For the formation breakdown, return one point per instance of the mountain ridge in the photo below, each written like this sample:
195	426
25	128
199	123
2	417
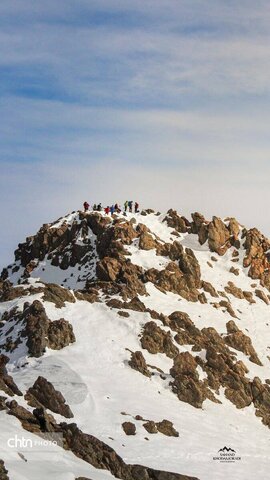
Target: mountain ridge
166	306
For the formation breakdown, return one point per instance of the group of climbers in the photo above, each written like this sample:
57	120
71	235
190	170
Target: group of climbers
128	206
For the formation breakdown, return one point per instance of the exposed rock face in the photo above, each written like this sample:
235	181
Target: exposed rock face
129	428
218	236
6	381
37	324
172	279
40	332
44	394
137	362
155	340
60	334
199	226
257	258
186	383
58	295
101	455
240	341
3	471
180	224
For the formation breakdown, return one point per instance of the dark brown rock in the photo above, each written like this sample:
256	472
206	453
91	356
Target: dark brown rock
155	340
60	334
43	393
129	428
137	362
3	471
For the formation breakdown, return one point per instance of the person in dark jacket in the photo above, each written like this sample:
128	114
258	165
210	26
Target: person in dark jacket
130	205
112	209
126	206
86	206
99	207
136	207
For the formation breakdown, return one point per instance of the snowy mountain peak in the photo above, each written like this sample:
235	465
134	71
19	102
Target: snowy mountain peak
141	328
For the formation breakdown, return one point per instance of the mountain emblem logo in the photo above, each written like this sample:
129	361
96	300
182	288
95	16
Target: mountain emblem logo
226	449
227	455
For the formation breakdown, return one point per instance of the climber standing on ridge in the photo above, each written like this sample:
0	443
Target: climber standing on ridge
86	206
130	204
112	210
126	206
99	207
107	210
136	207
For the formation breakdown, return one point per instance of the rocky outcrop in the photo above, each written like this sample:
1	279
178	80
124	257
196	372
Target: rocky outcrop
60	334
137	362
257	257
156	340
3	471
186	383
36	328
42	333
58	295
7	384
240	341
43	393
173	220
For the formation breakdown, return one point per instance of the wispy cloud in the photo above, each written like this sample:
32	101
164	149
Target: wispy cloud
140	98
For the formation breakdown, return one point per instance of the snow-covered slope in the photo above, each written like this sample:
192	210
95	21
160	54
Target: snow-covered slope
123	279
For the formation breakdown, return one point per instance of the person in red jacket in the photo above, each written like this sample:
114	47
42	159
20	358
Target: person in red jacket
107	210
136	207
86	206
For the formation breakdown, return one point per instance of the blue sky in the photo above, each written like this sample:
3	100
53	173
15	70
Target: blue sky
163	101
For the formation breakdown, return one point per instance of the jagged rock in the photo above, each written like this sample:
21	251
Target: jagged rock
256	258
238	340
60	334
44	394
184	363
166	427
137	362
261	400
172	279
151	427
129	428
260	294
146	239
180	224
199	226
57	294
235	271
3	471
27	419
108	269
156	340
218	236
233	290
37	324
172	250
189	265
208	287
249	296
227	305
7	383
